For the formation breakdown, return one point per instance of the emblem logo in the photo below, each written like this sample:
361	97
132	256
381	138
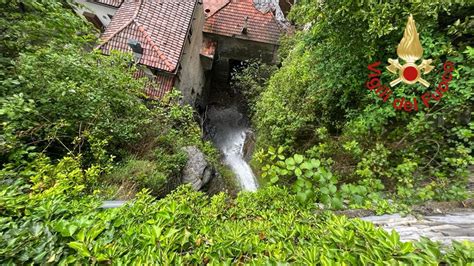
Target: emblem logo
410	51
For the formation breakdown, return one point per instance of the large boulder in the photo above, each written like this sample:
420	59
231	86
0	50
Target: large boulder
197	171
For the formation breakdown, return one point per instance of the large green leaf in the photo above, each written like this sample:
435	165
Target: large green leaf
80	247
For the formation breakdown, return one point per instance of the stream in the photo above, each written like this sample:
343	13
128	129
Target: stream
455	225
228	129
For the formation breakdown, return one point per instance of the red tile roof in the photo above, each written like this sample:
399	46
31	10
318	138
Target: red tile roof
112	3
161	28
158	86
230	19
212	6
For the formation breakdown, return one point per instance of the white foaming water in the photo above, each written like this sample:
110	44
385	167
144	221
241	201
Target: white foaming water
228	132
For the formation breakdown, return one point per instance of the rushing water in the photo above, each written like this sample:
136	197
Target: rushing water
228	129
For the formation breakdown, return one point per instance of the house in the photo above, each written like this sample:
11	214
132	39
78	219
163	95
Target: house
187	43
165	37
241	30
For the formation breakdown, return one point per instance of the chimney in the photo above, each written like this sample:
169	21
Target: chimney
245	28
136	48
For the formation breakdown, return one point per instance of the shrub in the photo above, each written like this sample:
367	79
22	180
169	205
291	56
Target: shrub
321	85
252	80
150	174
64	225
312	181
72	102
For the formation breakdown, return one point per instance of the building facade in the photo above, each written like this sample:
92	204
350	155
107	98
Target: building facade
165	37
186	43
241	32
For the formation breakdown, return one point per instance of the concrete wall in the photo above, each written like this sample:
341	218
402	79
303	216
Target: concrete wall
237	49
191	78
240	49
101	11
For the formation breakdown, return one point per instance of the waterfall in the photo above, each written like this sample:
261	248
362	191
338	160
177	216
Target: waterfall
228	129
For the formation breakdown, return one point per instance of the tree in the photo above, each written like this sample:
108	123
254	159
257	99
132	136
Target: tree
322	85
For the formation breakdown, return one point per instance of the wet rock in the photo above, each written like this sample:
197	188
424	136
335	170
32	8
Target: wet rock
197	171
444	228
353	213
249	145
218	184
438	221
231	130
207	175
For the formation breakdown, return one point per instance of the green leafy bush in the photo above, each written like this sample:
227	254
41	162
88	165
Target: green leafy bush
62	224
80	101
61	99
312	181
26	26
141	174
321	85
252	80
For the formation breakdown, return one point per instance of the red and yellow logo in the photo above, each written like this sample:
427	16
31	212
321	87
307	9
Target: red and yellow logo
410	51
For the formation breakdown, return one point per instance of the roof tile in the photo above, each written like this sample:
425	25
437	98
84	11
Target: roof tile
112	3
158	86
212	6
160	26
230	19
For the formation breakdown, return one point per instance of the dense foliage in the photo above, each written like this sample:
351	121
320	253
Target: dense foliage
63	224
76	130
80	101
61	99
57	97
317	101
157	158
251	80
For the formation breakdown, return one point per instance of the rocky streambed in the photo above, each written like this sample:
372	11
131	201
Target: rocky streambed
458	226
438	221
